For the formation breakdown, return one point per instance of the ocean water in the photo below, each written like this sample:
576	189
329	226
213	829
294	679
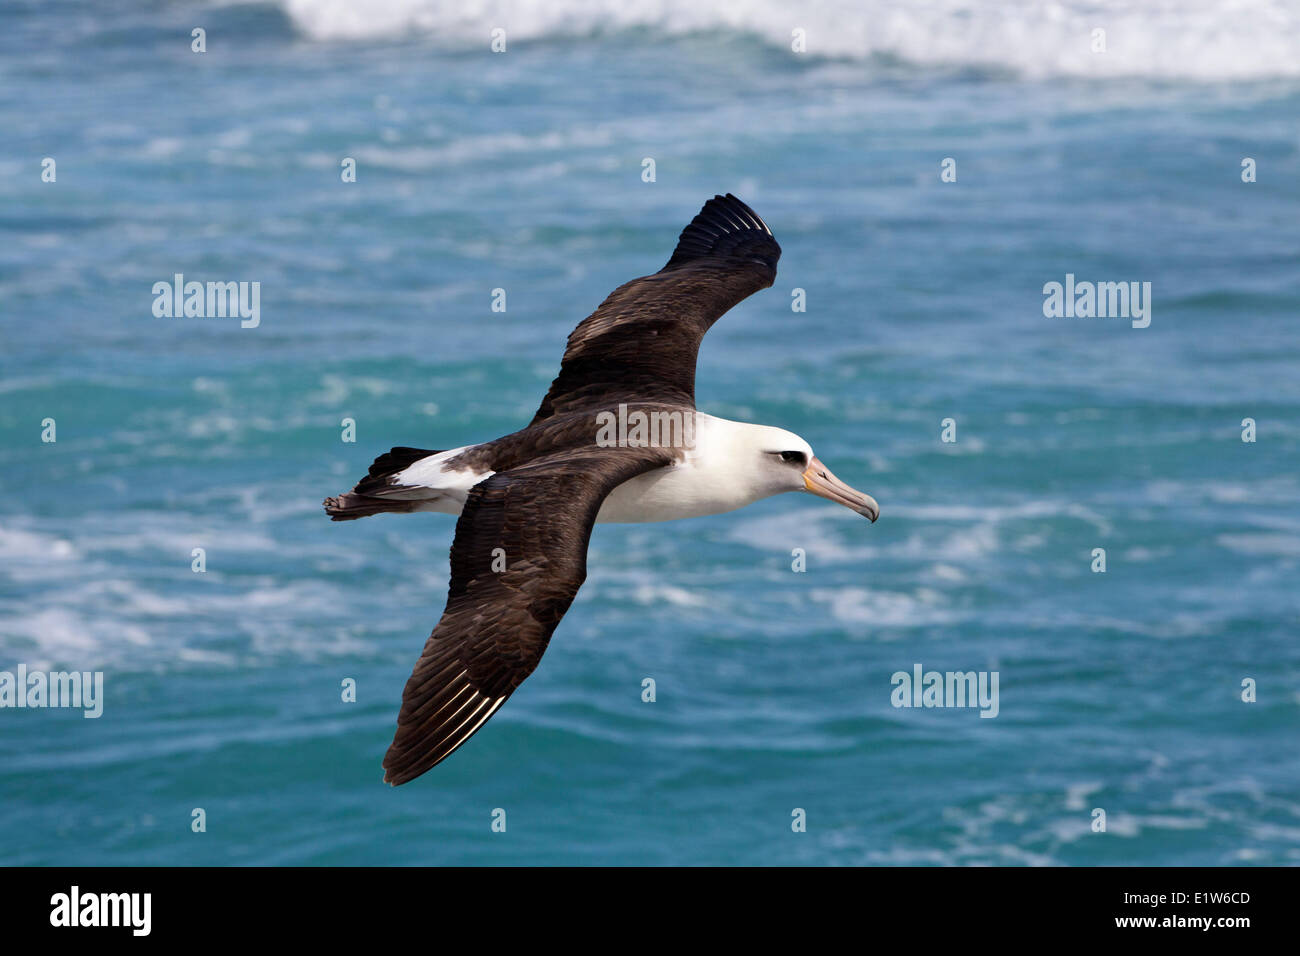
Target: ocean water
522	170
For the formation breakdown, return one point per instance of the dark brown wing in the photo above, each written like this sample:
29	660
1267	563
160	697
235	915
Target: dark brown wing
641	344
498	622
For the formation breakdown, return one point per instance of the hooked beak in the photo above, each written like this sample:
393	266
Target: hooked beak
819	480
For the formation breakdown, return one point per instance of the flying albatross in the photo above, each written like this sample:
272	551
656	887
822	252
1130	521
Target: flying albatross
617	439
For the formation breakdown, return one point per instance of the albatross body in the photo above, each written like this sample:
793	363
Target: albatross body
616	439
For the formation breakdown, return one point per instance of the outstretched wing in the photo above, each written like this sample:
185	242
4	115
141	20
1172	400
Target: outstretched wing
641	344
518	559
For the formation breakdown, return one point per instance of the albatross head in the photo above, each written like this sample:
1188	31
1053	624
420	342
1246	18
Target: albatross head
780	461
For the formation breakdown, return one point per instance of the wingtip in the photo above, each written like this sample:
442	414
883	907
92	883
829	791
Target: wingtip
726	226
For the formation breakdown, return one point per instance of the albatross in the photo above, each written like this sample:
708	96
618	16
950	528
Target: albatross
616	439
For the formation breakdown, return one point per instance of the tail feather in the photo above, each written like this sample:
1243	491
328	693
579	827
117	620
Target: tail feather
398	459
376	493
388	464
349	506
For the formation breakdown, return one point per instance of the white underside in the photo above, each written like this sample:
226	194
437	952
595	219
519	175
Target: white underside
712	477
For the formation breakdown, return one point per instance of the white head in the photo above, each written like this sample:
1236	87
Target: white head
767	461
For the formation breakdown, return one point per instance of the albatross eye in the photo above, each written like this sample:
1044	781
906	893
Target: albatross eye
793	456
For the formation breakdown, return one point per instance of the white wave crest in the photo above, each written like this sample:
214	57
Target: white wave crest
1186	39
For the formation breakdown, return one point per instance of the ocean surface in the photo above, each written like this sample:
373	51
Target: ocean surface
524	171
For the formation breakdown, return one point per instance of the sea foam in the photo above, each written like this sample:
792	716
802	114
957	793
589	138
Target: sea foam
1184	39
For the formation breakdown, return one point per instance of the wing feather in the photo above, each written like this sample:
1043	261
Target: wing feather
641	343
497	623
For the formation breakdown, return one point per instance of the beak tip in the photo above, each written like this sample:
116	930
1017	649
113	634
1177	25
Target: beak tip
818	480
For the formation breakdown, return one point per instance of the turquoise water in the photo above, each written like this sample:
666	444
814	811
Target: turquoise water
523	171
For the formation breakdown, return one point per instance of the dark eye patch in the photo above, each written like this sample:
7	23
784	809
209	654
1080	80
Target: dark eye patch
793	456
